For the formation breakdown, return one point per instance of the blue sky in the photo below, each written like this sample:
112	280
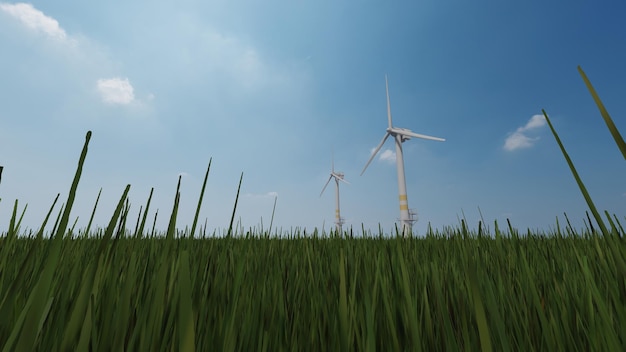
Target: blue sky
272	88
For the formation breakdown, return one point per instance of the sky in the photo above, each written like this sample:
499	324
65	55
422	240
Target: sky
278	89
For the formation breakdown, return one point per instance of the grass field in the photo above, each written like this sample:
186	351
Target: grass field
111	289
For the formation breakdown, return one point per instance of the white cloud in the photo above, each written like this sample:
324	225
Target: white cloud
262	195
83	55
116	91
388	155
519	139
35	20
535	122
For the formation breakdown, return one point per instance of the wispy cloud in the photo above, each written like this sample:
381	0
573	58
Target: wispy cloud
519	139
262	195
79	50
116	91
386	155
239	65
36	20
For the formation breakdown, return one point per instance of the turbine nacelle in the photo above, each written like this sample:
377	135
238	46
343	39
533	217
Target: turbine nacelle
338	175
407	134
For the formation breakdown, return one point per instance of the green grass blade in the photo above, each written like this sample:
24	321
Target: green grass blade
138	220
582	187
73	226
72	195
344	329
77	318
156	214
195	218
45	221
36	306
25	332
479	310
605	114
171	228
230	227
186	329
11	233
93	213
145	215
19	222
272	219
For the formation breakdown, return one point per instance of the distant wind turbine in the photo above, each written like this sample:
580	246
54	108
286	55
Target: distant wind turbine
400	135
338	177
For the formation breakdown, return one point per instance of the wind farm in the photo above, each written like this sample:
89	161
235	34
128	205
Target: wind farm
120	290
399	135
135	243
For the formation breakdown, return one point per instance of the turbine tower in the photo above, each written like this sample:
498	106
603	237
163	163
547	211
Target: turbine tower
338	177
400	135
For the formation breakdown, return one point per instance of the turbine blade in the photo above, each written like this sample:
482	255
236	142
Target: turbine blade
323	189
344	181
423	136
388	104
332	164
375	152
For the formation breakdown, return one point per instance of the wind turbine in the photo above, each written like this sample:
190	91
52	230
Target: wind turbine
400	135
338	177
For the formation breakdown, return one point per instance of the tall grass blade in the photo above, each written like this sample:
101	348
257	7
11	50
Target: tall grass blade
186	329
272	219
77	318
72	195
605	114
139	232
11	233
138	220
195	218
171	228
344	329
19	222
45	221
479	309
93	213
26	332
154	222
232	219
582	187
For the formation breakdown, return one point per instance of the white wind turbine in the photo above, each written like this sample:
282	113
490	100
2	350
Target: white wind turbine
338	177
400	135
